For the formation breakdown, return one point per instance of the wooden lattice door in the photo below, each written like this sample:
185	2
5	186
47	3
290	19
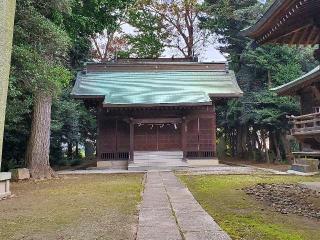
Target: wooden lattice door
166	137
206	134
201	137
145	138
169	137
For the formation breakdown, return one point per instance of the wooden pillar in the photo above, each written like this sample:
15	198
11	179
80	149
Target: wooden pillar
214	119
131	140
99	134
184	138
7	12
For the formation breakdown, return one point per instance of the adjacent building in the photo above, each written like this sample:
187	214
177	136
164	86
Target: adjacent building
297	22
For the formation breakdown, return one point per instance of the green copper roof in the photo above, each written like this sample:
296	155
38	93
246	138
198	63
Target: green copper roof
150	88
291	87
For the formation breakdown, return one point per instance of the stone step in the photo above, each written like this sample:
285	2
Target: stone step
152	167
157	160
304	168
159	152
160	158
307	161
159	155
155	163
170	161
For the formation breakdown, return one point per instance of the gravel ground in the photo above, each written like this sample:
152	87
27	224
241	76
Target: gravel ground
288	198
227	170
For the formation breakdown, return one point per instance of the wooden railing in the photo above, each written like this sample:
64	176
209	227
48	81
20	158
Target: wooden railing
305	124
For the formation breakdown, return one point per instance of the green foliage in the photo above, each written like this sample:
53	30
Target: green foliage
71	124
38	64
93	16
49	38
40	47
87	18
226	18
17	125
36	74
257	69
148	41
34	30
52	40
76	162
282	62
271	111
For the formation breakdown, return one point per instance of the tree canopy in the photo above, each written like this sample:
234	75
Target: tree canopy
247	122
51	41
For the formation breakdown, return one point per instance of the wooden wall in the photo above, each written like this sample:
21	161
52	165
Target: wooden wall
199	125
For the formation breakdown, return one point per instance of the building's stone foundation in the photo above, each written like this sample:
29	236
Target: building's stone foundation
5	185
202	162
115	164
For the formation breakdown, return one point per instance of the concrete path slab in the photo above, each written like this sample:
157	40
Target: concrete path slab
312	185
156	220
169	211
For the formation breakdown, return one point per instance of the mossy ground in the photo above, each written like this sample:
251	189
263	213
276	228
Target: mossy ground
245	218
77	207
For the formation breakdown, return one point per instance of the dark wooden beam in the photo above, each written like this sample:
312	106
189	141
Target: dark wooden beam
316	39
316	21
294	38
156	120
200	115
153	66
312	34
184	138
291	33
303	35
131	141
286	29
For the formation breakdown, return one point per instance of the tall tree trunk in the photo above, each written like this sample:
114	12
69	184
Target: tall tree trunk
250	143
7	12
238	141
286	146
37	156
89	149
234	143
70	150
257	144
257	140
244	141
77	150
264	145
276	146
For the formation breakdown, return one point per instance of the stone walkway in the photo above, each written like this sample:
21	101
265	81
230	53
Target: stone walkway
170	212
214	170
